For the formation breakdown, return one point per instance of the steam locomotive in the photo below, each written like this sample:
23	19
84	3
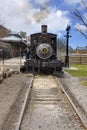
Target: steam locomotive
43	53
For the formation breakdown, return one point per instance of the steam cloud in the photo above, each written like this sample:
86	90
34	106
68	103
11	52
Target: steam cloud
36	13
28	15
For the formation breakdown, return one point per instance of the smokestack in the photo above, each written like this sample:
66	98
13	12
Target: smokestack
44	28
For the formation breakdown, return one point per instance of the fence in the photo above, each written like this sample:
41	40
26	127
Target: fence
17	62
76	59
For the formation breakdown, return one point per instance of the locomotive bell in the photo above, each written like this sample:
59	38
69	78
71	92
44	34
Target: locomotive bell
44	51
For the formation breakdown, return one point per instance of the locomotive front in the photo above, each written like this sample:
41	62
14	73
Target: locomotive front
43	52
43	44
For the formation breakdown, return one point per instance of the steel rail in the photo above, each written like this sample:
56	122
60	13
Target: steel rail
24	105
83	119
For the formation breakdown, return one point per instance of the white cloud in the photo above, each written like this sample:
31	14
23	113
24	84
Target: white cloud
85	17
57	21
70	2
42	2
80	27
22	15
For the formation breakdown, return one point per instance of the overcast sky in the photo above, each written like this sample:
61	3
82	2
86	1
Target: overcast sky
28	15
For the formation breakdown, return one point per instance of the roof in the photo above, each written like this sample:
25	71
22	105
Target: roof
82	48
44	33
14	38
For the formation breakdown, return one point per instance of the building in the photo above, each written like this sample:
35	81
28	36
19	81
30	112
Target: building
14	42
17	43
81	50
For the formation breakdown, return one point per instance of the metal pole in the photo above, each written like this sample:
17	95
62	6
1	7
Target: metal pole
3	55
67	46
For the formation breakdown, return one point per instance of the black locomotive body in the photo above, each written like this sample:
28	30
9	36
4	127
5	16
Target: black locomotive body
43	53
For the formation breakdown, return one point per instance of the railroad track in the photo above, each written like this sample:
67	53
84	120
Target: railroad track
46	107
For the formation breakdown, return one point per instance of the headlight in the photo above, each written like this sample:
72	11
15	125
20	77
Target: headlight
44	50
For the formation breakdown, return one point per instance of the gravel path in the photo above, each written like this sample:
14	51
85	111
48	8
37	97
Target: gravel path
74	86
77	93
9	91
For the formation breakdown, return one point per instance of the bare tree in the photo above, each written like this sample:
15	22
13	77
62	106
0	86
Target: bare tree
81	15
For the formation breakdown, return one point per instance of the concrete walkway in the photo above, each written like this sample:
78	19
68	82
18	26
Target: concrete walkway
13	61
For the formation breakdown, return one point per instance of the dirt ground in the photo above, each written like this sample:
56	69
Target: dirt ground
9	91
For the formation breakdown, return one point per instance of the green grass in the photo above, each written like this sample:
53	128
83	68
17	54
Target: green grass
80	72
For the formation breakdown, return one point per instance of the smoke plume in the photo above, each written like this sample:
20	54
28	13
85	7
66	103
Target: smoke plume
35	13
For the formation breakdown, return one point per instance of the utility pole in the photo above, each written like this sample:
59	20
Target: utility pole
67	46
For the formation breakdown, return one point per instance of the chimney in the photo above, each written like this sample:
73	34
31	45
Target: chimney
44	28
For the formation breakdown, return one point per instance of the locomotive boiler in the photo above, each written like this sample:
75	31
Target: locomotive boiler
43	53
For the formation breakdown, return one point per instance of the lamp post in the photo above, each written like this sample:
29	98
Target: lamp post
67	46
